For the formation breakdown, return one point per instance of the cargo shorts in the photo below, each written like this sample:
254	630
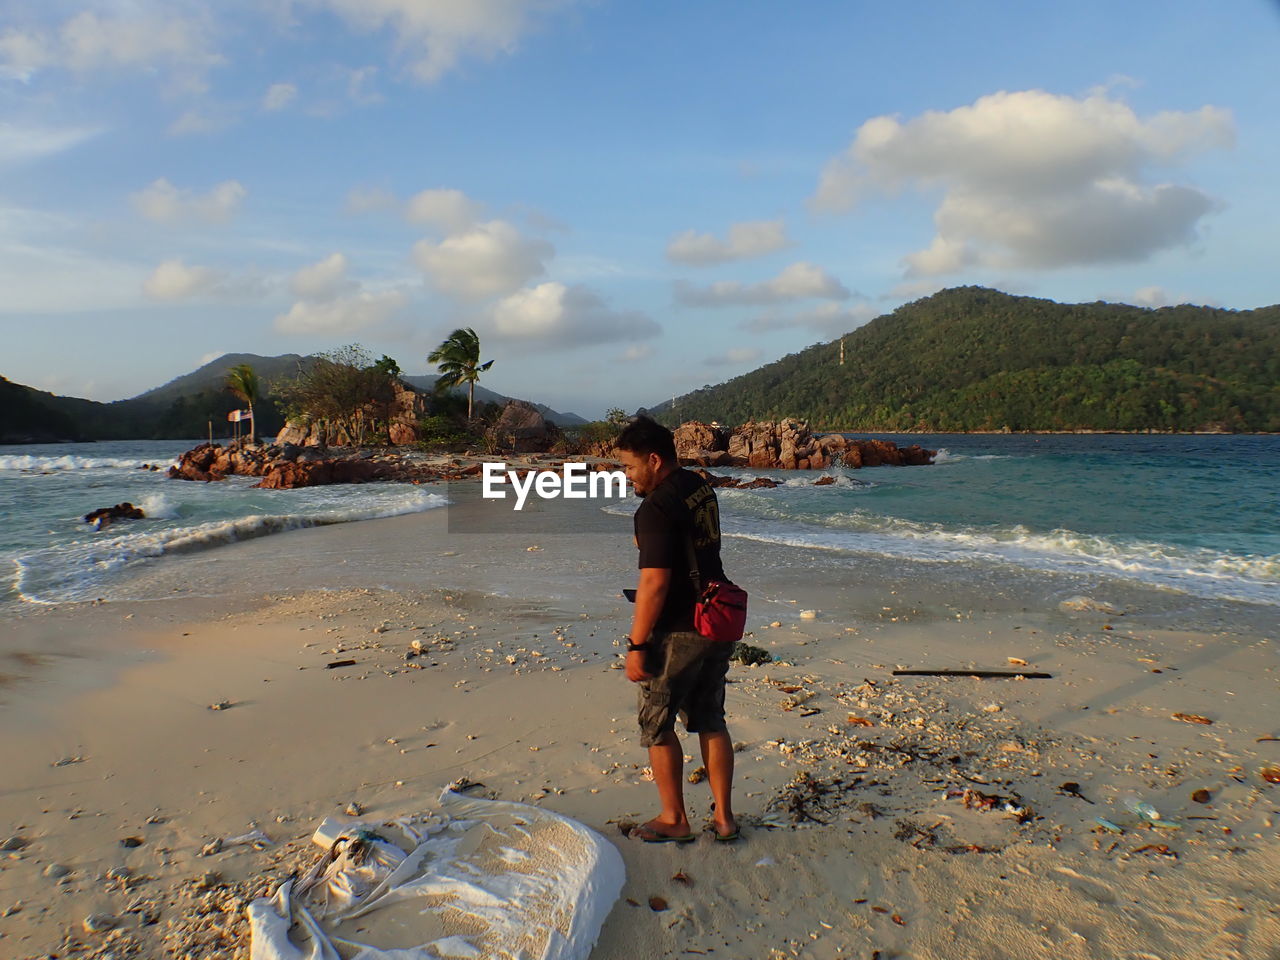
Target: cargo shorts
688	676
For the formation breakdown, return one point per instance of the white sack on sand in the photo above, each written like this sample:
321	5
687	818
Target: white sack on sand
494	881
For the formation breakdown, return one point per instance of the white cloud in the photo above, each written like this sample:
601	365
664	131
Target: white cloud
140	36
450	210
490	259
162	202
800	281
279	96
1034	180
1154	297
20	144
554	315
745	240
342	315
201	122
370	200
826	318
636	352
174	280
324	280
434	35
734	357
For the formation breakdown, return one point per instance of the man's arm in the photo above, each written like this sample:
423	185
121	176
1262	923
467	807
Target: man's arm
651	594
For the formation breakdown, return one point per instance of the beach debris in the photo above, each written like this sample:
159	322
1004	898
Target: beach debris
808	614
991	708
1160	848
657	904
100	922
809	711
1143	809
208	880
1087	603
1107	825
56	871
353	809
463	784
130	842
647	774
212	847
748	655
254	838
14	843
859	721
1270	774
1031	675
977	800
333	664
795	699
766	862
15	907
1017	661
683	878
1201	796
697	775
898	920
1072	789
221	705
1191	718
67	761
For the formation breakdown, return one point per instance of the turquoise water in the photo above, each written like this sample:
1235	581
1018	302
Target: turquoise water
50	555
1195	515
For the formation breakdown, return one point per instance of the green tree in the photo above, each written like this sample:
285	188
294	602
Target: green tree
458	358
244	383
344	387
617	416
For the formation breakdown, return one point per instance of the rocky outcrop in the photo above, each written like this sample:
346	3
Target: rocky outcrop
401	417
105	516
737	483
212	461
522	429
789	445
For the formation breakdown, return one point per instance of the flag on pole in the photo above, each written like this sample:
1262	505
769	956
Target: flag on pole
235	416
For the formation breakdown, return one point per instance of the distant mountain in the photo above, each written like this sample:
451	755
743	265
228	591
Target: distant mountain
183	408
971	358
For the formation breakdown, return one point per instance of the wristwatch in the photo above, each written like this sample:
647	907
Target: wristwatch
632	647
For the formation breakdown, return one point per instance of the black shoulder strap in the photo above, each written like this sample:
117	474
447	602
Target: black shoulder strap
691	556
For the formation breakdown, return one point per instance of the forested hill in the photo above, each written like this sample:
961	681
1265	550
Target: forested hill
971	358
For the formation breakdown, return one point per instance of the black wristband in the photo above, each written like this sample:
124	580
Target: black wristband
632	647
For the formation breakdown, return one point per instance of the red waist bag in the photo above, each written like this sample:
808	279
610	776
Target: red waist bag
720	612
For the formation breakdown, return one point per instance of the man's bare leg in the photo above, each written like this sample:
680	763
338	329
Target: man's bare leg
666	757
717	756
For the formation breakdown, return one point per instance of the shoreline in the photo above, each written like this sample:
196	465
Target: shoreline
521	656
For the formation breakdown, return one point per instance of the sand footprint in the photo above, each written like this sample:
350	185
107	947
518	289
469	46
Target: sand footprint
1087	887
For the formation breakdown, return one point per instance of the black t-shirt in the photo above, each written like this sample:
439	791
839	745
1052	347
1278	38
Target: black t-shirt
681	504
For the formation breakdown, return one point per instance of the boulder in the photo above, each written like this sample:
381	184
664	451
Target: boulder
105	516
524	428
696	439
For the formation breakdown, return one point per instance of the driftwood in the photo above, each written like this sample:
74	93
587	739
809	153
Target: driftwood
973	673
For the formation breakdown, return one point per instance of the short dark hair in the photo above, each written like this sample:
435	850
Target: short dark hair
644	436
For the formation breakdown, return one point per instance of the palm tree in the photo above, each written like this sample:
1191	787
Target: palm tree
244	383
459	361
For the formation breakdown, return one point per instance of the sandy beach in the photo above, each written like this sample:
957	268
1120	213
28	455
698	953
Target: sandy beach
491	657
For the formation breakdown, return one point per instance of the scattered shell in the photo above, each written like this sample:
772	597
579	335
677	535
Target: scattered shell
1270	774
657	904
56	871
698	775
354	809
212	847
66	761
131	842
808	614
991	708
100	922
220	705
860	721
14	843
1191	718
1017	661
1201	796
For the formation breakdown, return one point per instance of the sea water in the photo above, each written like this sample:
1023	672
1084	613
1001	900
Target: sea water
1187	515
48	554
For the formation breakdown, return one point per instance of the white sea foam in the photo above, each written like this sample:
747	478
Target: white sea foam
39	464
77	571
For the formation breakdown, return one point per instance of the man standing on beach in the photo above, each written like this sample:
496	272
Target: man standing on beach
679	671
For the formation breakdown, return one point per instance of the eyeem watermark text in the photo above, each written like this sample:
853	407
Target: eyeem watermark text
574	481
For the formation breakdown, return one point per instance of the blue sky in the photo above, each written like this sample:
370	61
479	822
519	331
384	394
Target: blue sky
627	201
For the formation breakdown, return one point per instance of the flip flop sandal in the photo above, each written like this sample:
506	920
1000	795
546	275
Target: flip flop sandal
727	837
649	835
